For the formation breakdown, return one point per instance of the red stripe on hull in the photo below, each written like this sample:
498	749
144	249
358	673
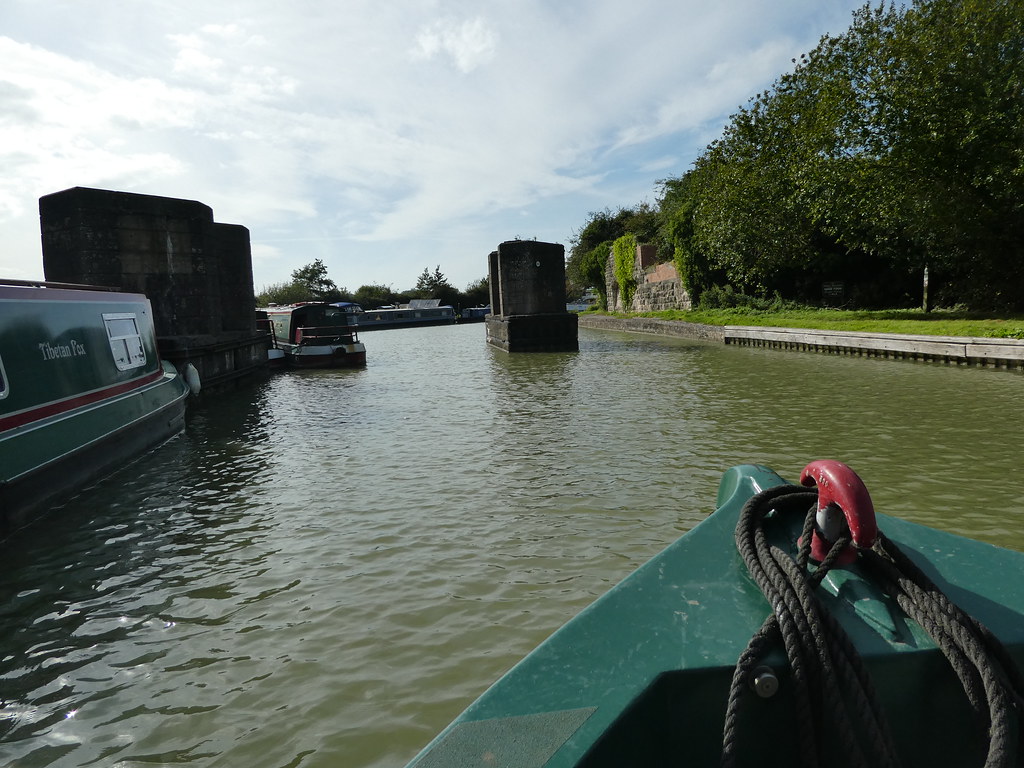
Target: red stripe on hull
64	406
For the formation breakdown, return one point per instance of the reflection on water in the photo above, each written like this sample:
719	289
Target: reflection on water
324	569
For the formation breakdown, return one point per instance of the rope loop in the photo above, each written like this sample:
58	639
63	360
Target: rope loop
827	675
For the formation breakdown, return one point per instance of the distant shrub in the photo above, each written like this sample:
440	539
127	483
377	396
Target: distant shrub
726	297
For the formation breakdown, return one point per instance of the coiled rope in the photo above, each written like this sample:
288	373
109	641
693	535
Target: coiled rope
828	677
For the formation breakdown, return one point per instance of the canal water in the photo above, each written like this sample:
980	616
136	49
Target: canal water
325	568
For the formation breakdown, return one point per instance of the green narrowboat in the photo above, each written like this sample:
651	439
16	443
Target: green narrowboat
792	627
317	334
82	391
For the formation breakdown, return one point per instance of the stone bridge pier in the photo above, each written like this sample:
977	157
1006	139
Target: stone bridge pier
527	280
197	273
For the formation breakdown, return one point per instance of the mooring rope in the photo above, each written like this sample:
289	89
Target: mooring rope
829	680
991	680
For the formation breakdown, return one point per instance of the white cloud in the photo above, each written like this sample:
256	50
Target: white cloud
69	123
469	43
193	61
689	108
224	60
381	137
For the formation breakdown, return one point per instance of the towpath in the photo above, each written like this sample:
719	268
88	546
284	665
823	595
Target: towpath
955	350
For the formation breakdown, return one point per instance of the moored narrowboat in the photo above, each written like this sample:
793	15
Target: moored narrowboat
275	355
474	314
317	334
82	391
417	313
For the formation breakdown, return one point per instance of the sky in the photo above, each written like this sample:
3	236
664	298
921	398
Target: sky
382	137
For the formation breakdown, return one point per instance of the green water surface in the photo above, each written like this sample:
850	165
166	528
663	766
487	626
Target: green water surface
328	566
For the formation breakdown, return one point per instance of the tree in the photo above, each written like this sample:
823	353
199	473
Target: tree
897	143
894	147
954	128
309	283
604	226
601	227
282	293
436	286
313	277
588	256
477	293
678	205
594	269
374	296
431	283
586	271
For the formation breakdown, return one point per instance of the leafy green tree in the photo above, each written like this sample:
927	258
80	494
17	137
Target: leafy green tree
477	293
643	220
593	269
950	141
309	283
436	286
745	210
890	148
282	293
677	206
313	277
590	246
896	144
601	227
373	296
430	283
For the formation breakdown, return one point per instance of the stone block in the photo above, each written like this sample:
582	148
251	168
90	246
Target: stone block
531	277
196	273
556	332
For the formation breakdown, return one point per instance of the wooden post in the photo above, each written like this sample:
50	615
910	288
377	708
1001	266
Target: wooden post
924	302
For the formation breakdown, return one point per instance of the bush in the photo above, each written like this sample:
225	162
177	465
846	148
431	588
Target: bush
726	297
624	252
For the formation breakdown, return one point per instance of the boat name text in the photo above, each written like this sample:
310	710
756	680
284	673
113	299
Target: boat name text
57	351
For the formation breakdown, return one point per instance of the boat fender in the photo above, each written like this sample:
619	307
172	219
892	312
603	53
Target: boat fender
192	379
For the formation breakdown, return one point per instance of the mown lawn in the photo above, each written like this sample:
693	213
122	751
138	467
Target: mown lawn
934	323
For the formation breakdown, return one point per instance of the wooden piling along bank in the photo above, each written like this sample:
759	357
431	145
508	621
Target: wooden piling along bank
956	350
952	350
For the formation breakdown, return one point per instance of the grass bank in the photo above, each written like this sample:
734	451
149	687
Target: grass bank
935	323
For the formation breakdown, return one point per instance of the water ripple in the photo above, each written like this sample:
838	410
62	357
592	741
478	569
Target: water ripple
323	570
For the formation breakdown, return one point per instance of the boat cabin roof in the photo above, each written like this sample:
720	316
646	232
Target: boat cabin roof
347	306
50	284
292	316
